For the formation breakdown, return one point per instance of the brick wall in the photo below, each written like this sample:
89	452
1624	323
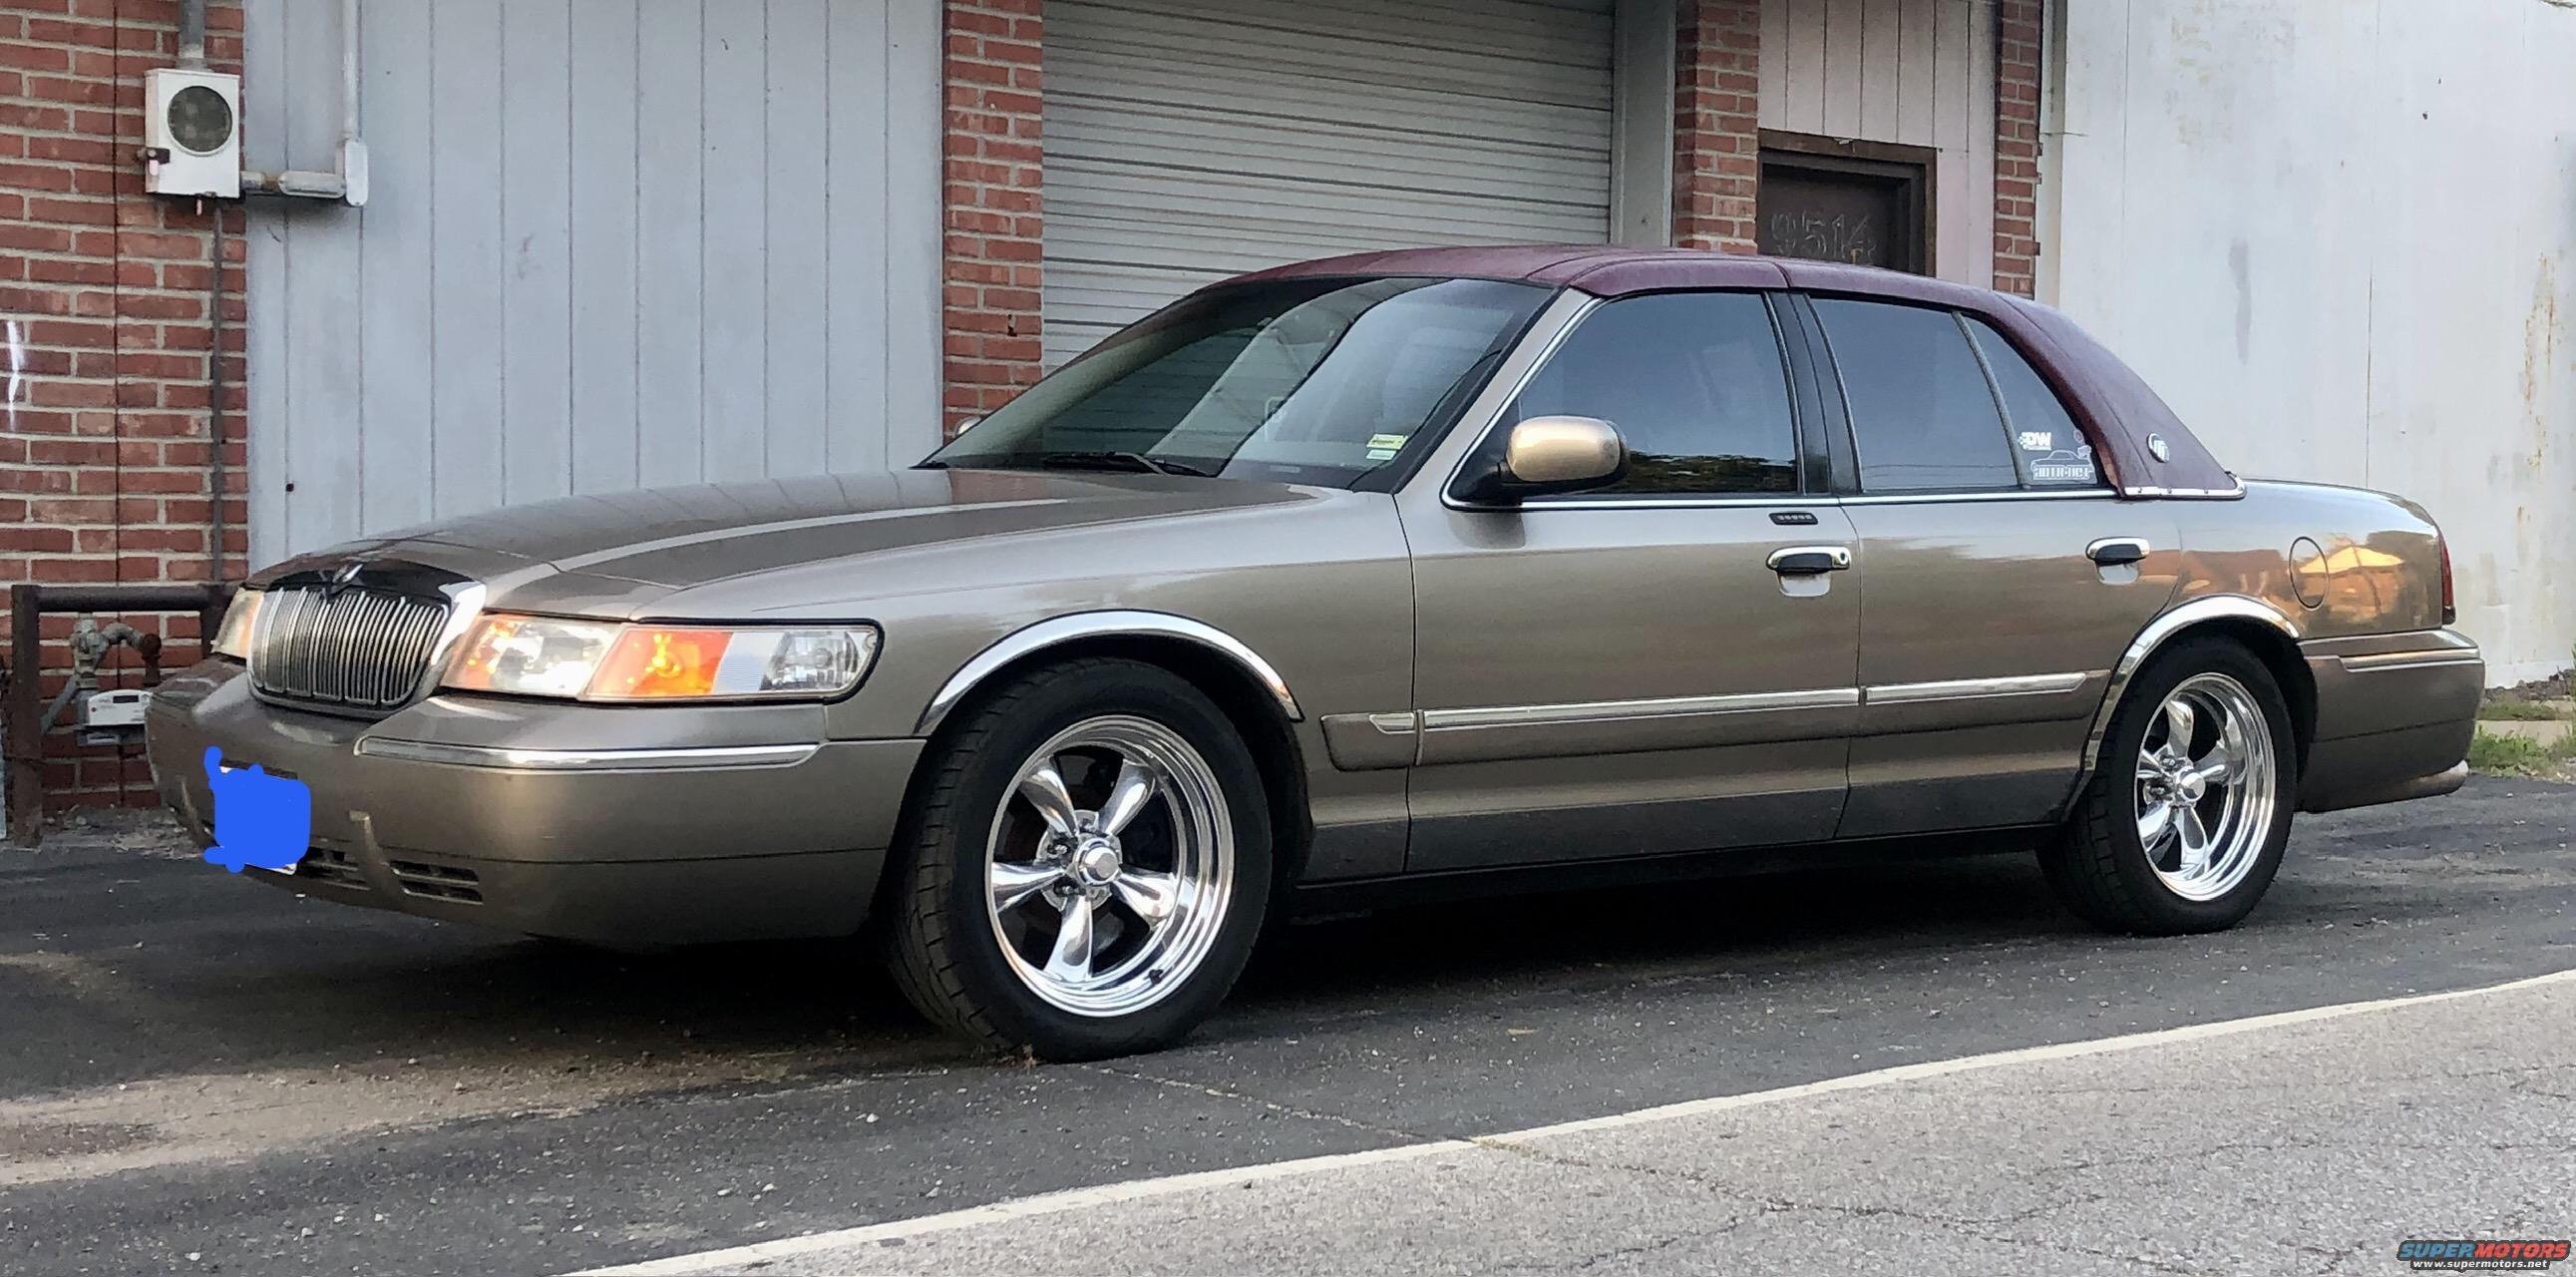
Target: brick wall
993	179
2017	43
105	326
1717	161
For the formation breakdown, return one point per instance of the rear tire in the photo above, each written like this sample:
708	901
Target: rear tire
2181	827
1085	864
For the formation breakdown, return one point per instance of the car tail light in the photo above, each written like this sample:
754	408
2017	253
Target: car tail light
2450	600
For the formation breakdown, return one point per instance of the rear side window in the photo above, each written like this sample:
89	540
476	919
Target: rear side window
1923	417
2047	445
1694	382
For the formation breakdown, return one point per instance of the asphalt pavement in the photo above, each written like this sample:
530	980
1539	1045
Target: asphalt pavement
200	1074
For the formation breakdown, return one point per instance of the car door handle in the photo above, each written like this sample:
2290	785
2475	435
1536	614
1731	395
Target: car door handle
1809	560
2117	551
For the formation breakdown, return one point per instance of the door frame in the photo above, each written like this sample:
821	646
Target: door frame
1916	169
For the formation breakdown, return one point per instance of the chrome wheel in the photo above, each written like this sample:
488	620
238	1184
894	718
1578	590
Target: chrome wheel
2207	786
1109	866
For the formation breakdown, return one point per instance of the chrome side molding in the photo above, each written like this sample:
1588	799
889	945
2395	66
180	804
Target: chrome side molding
585	760
1457	720
1080	625
1970	689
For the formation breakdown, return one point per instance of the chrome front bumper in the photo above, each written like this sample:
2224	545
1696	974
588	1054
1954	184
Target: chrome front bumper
629	825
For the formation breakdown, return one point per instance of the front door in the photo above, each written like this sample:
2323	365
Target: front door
1624	672
2004	579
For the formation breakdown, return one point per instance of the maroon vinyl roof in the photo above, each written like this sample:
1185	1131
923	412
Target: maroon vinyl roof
2114	406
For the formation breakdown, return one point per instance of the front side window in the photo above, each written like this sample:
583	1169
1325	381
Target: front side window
1319	381
1694	382
1923	417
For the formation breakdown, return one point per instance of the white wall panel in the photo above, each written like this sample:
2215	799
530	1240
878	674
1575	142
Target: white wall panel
2341	240
610	243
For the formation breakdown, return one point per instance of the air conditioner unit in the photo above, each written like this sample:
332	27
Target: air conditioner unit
192	133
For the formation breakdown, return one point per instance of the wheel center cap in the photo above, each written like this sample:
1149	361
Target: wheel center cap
2191	788
1095	861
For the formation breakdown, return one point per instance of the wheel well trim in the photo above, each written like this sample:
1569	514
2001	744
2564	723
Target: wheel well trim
1121	623
2168	625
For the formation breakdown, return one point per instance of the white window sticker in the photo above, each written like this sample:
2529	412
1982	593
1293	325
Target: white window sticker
2038	441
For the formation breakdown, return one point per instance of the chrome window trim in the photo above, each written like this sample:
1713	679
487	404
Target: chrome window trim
1080	625
2190	494
1488	717
576	760
2016	494
1970	689
1782	500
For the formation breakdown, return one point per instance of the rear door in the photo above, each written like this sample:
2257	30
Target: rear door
2004	579
1624	672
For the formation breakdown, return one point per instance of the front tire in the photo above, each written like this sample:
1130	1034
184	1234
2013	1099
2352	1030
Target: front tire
1085	866
2181	827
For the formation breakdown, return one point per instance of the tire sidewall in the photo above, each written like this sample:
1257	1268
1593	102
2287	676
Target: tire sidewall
2118	765
959	852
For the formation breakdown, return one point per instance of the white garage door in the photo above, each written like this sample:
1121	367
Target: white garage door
1188	140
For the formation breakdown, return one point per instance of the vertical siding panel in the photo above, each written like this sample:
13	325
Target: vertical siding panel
1802	103
266	342
734	241
1979	199
1775	64
669	380
397	384
1881	60
323	455
465	449
1843	47
910	292
536	235
1951	182
1918	72
859	189
797	230
604	300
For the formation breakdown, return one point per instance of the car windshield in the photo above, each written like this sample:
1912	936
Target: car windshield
1317	381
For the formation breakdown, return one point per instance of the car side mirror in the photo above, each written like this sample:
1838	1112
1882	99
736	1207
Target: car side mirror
1541	455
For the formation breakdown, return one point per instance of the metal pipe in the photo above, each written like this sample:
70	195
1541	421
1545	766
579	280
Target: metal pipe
216	528
348	76
192	34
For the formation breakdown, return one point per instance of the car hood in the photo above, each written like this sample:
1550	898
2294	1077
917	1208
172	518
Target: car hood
589	553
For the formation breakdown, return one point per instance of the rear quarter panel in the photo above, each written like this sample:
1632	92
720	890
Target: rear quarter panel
2375	567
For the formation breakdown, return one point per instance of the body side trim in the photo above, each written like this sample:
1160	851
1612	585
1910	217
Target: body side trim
1110	624
557	760
1456	720
1963	689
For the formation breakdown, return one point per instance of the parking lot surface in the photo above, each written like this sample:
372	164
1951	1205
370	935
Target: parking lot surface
201	1074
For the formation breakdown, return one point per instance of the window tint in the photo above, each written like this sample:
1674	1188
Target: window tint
2047	446
1922	414
1693	381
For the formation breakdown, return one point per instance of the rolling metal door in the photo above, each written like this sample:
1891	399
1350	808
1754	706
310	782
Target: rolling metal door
1188	140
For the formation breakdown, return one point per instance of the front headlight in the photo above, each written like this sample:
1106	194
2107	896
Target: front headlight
599	661
233	638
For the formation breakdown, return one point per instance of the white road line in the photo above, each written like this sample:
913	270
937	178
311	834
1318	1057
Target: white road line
737	1257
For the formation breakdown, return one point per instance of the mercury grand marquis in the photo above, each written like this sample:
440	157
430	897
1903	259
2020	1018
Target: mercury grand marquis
1432	570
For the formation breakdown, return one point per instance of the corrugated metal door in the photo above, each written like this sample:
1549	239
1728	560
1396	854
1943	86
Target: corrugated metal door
1192	139
610	244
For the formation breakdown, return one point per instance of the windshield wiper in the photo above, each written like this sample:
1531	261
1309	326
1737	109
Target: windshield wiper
1136	461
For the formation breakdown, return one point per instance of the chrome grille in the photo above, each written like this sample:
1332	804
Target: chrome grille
362	648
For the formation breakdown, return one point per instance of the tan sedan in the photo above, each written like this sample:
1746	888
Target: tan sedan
1402	572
